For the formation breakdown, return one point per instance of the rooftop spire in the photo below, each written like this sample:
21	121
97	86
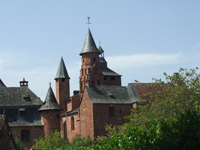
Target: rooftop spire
89	46
62	71
50	102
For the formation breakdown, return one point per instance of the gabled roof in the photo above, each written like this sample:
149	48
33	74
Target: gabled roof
50	102
18	96
111	95
62	71
89	46
145	90
2	84
105	70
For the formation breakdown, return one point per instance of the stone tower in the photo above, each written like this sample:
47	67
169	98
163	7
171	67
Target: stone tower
91	72
62	85
50	113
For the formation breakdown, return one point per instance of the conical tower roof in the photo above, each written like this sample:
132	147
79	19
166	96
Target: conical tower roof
89	46
50	102
2	84
62	71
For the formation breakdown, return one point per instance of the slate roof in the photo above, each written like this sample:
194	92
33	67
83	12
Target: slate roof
100	49
72	111
62	71
145	90
111	95
18	96
22	115
50	102
105	70
20	106
89	46
2	84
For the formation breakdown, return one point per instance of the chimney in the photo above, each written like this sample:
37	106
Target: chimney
23	83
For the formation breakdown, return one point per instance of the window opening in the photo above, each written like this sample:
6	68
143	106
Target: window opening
112	78
58	116
94	59
63	80
25	135
104	78
111	111
120	111
72	123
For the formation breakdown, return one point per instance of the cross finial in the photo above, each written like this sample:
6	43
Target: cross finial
88	21
99	43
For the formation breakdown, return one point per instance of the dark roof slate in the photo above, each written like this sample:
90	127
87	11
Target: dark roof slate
89	46
105	70
50	102
72	111
62	71
2	84
110	94
18	96
22	115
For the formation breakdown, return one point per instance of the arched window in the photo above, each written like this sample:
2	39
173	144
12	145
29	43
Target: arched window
72	123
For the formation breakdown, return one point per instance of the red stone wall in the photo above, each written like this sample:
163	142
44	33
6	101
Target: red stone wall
35	133
75	101
86	117
50	121
62	92
68	105
70	132
102	117
109	81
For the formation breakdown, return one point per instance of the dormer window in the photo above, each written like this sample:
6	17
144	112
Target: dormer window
28	99
112	96
22	112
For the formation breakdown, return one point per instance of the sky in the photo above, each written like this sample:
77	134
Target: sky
141	38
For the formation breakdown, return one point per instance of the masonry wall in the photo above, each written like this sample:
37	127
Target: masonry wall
72	131
102	117
111	80
75	101
86	116
35	133
62	92
51	121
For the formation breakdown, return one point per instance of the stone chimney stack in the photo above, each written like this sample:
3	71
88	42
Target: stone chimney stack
23	83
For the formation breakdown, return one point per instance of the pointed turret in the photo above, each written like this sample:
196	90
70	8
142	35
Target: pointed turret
50	102
62	71
89	46
62	84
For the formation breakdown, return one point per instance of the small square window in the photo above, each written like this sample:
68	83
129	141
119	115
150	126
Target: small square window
111	111
112	78
63	80
104	78
25	135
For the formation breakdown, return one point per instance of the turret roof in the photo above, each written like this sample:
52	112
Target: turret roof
50	102
62	71
89	46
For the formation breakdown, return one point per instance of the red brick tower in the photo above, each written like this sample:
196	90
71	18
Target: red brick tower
50	113
91	72
62	85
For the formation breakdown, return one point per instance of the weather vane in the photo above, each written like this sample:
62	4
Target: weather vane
88	21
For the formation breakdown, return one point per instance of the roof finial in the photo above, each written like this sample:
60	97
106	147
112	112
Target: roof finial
88	21
49	83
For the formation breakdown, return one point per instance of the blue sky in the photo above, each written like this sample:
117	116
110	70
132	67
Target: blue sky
141	39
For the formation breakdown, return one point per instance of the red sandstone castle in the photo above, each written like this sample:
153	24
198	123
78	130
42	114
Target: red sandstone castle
100	100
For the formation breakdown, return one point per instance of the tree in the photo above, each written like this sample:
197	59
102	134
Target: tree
180	92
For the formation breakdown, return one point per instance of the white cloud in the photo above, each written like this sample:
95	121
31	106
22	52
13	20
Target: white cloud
139	60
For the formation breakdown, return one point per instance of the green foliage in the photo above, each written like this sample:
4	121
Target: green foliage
181	133
111	131
167	100
52	141
19	145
